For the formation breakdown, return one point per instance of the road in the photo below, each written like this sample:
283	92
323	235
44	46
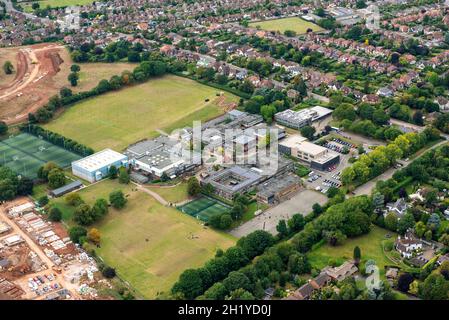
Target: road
39	252
10	8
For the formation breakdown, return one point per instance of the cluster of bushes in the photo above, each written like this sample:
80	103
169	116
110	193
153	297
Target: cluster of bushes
53	174
144	71
194	282
11	185
380	159
275	265
85	214
57	139
424	217
116	51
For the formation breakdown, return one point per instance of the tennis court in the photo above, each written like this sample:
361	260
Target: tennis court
204	208
25	153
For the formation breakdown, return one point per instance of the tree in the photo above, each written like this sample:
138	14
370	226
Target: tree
225	221
308	132
435	287
77	233
240	294
35	6
193	187
99	209
117	199
65	92
282	228
189	284
75	68
391	221
94	236
345	111
43	201
405	223
317	209
73	79
55	215
357	255
3	128
267	112
113	171
83	215
434	222
8	68
404	282
123	176
298	264
217	292
296	222
236	280
164	177
420	229
418	118
108	272
56	178
73	199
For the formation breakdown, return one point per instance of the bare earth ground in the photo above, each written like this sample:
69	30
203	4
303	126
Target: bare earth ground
39	75
40	72
7	54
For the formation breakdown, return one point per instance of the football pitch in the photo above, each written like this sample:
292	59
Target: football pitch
296	24
204	208
25	153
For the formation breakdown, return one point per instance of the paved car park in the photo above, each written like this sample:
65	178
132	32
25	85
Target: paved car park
301	203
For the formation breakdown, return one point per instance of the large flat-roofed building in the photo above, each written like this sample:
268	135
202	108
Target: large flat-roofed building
232	181
162	155
318	157
278	189
301	118
96	166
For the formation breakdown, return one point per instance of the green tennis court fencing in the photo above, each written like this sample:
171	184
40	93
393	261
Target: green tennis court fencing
204	208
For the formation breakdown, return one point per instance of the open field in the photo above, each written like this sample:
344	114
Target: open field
55	3
204	208
92	73
370	245
117	119
25	153
173	194
7	54
296	24
148	244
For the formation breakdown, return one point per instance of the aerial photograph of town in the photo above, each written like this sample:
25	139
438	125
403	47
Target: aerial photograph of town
235	150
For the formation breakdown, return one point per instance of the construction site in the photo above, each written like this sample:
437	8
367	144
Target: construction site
39	261
39	72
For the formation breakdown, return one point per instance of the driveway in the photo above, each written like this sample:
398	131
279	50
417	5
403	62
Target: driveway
301	203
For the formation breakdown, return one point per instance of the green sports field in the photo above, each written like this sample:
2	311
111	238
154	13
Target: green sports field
25	153
117	119
55	3
148	244
296	24
204	208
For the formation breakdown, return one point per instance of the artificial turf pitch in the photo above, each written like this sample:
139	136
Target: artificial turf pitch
25	153
204	208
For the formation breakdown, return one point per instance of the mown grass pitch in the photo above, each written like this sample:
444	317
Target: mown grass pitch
296	24
148	244
25	153
204	208
117	119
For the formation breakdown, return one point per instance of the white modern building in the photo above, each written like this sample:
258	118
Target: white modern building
96	166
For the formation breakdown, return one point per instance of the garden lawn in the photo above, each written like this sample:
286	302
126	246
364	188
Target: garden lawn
370	246
117	119
296	24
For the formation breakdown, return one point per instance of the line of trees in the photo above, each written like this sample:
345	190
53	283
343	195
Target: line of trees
380	159
11	185
57	139
143	72
277	263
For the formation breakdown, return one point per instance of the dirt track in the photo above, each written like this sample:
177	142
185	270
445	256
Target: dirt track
39	76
